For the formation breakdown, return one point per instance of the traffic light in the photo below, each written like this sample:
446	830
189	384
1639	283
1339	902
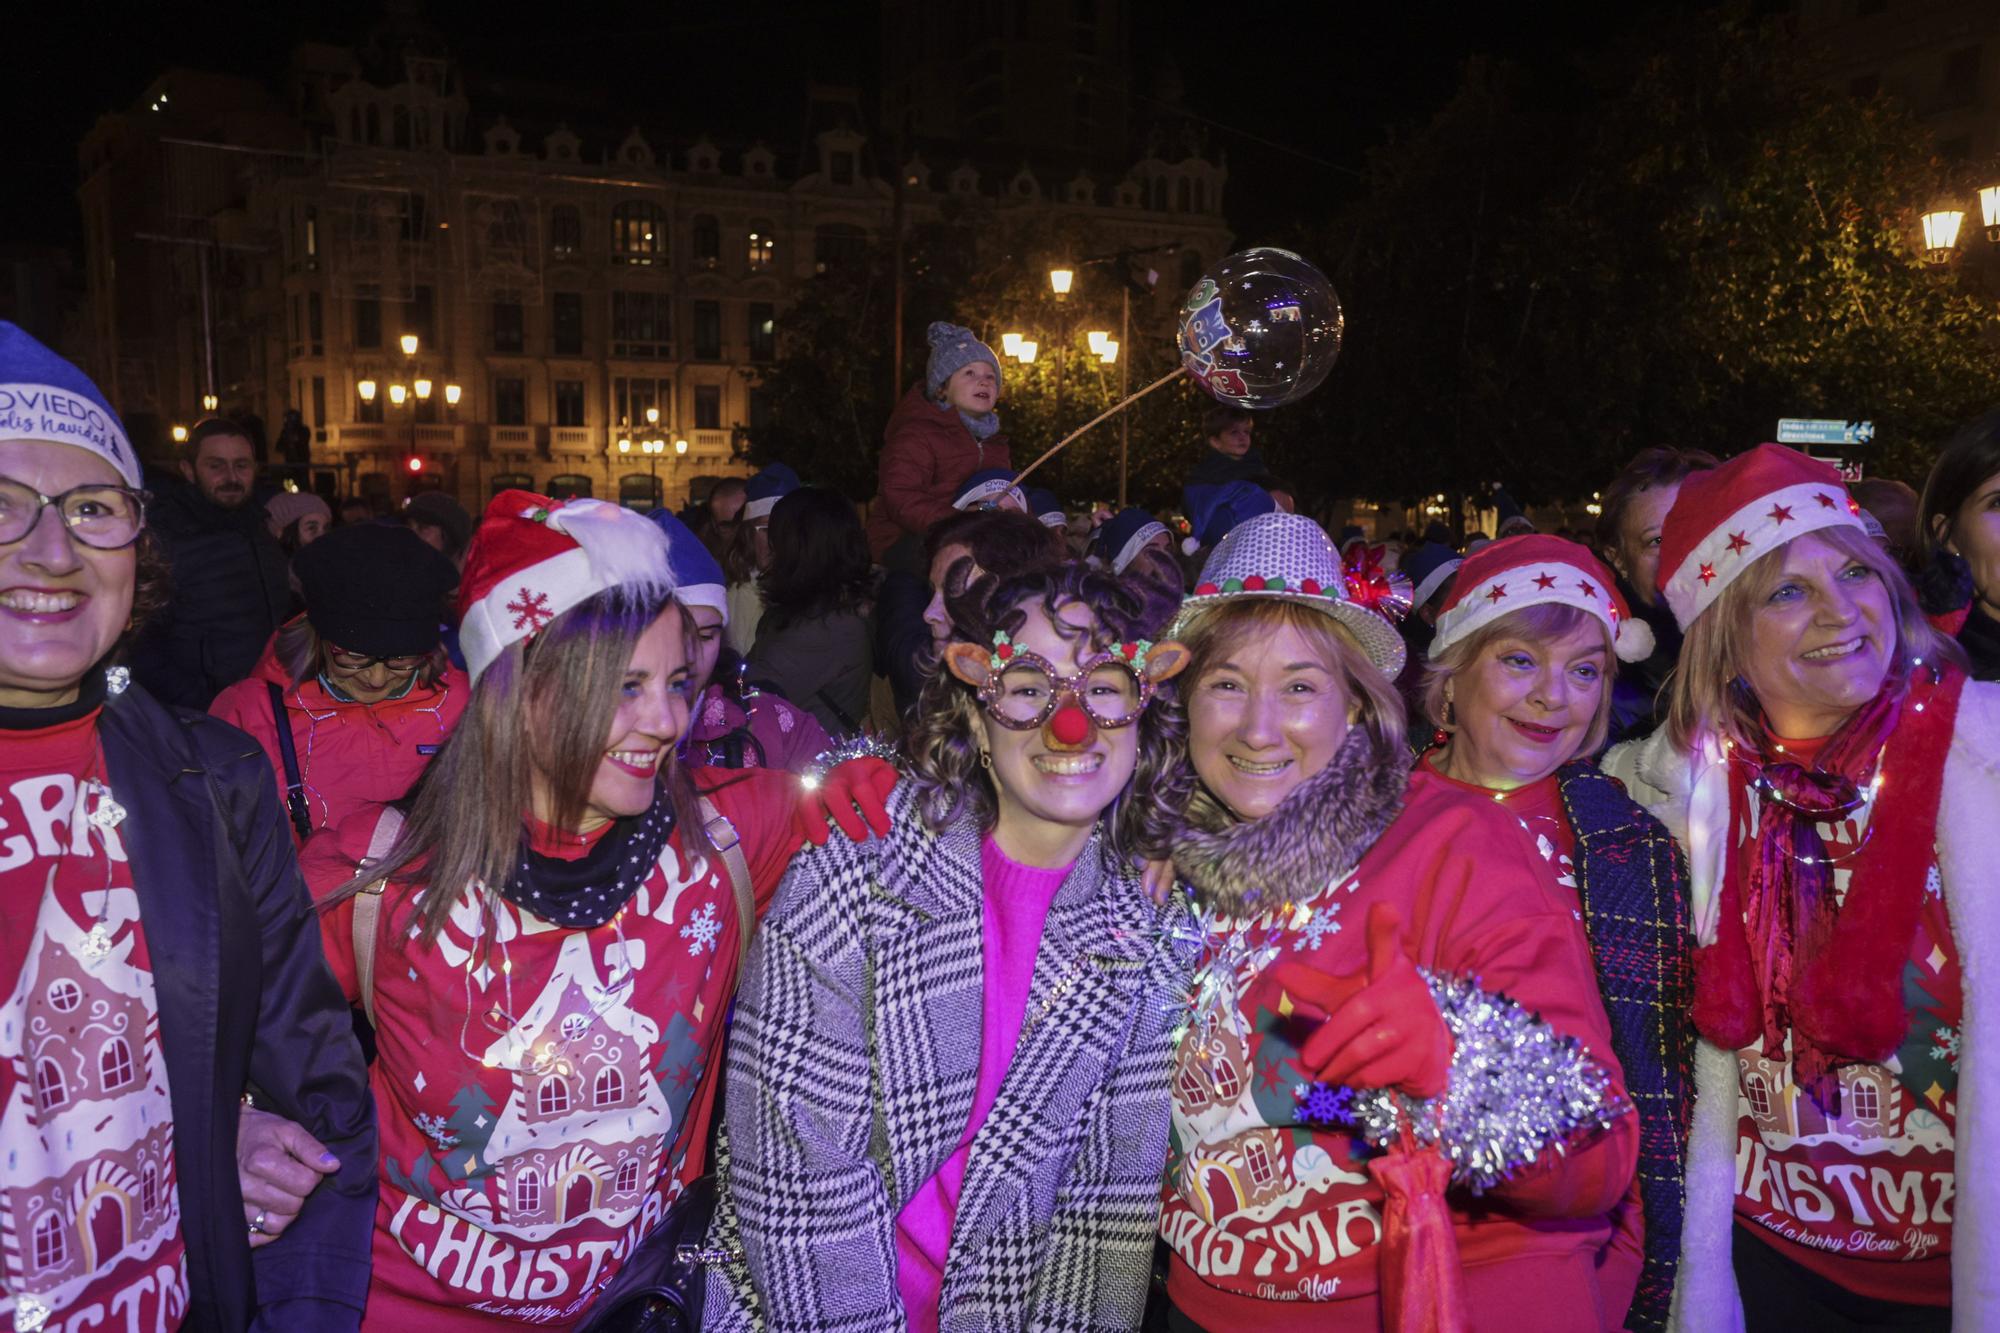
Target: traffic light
415	464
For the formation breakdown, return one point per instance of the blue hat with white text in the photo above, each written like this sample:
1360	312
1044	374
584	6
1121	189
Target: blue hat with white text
43	397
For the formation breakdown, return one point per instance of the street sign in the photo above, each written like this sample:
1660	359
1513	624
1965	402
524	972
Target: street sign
1811	430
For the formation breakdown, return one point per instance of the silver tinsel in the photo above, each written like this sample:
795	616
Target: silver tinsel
861	745
1517	1090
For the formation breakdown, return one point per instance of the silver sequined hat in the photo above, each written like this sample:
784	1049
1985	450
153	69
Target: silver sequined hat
1289	557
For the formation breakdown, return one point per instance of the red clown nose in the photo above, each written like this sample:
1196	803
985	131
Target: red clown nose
1070	726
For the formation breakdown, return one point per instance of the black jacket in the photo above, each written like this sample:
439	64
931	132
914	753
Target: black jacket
1981	640
245	995
1216	468
231	591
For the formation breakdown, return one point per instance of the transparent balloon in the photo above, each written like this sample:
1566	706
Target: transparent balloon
1262	328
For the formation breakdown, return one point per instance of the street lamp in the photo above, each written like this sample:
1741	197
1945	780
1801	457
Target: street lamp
397	394
409	344
209	402
1060	280
1109	356
1026	349
681	448
452	393
1010	344
180	435
1989	211
423	388
1941	234
1097	338
366	389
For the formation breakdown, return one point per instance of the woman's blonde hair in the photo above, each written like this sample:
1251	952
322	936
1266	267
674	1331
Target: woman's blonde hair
1708	691
1225	628
1545	622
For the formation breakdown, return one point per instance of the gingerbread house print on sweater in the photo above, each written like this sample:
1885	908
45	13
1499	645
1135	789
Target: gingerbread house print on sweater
584	1128
88	1172
1873	1103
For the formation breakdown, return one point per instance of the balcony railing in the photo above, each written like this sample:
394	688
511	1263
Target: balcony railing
573	440
514	439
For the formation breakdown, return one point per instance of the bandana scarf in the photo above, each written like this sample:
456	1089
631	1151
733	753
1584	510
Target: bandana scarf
1787	958
590	890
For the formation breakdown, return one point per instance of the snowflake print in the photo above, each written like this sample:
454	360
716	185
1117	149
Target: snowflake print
1322	1105
1318	926
1944	1046
784	722
718	712
433	1128
1934	883
531	610
701	930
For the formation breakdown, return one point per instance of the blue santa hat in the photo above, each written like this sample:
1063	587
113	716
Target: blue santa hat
986	488
45	398
1045	507
1214	509
698	579
1429	566
1118	543
763	491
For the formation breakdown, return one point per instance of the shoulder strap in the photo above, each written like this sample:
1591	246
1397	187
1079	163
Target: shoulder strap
368	907
295	783
722	833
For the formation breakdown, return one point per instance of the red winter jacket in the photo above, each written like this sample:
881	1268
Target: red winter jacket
350	754
927	453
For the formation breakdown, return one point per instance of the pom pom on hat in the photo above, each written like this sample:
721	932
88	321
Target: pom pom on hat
952	350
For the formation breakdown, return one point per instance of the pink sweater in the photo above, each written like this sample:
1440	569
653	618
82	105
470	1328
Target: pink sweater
1017	907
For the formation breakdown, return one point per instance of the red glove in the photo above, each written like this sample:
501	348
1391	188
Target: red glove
1378	1030
857	785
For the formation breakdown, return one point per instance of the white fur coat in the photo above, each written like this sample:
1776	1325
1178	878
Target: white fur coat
1690	795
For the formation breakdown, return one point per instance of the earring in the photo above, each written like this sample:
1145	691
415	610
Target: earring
986	760
1450	714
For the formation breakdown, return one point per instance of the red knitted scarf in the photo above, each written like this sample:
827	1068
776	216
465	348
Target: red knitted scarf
1787	958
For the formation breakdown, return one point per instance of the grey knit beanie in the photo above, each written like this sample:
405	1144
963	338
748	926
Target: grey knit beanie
953	349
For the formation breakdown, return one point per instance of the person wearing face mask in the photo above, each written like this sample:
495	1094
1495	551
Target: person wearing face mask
158	950
943	431
231	590
1633	506
1830	772
546	1046
1325	875
731	723
1518	685
948	1083
1961	532
359	683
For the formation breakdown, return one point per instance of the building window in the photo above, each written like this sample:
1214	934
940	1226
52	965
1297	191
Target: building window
608	1089
510	402
640	491
511	481
414	210
837	245
569	486
707	407
760	407
761	242
566	323
367	410
51	1241
507	334
763	331
298	331
569	402
319	401
312	236
552	1098
565	231
315	324
1758	1093
1867	1100
628	1176
640	324
51	1088
374	123
65	995
638	234
707	242
367	321
527	1192
423	316
708	331
631	397
1257	1155
1190	269
114	1064
841	168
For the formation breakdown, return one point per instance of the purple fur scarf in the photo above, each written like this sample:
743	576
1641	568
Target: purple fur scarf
1314	837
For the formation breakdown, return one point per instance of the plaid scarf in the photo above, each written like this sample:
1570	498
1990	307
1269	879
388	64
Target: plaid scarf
1633	884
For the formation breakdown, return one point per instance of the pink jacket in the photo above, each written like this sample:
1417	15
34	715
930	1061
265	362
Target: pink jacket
350	754
927	453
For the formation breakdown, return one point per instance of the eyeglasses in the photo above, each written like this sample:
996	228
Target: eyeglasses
358	662
106	518
1029	690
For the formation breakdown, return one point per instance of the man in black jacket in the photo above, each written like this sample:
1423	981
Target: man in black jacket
230	591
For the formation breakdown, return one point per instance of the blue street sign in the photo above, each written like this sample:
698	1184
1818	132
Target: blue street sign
1809	430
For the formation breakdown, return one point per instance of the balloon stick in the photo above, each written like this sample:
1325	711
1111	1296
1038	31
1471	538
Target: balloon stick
1106	414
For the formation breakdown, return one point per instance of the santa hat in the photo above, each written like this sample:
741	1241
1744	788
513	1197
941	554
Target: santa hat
43	397
1726	518
1214	509
988	488
1428	567
1048	510
534	558
1514	573
763	491
1118	543
698	579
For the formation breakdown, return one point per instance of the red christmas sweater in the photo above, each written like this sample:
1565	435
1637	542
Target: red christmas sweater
1863	1195
544	1095
1275	1223
88	1201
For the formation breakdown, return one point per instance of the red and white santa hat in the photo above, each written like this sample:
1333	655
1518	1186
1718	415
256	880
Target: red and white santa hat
1533	570
533	558
1725	518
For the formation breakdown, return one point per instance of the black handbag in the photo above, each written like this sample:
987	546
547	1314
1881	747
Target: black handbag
659	1290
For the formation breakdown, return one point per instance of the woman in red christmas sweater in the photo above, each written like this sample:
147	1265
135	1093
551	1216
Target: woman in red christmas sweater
1833	777
1312	1039
548	1027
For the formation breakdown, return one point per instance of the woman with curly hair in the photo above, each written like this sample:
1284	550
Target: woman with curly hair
949	1070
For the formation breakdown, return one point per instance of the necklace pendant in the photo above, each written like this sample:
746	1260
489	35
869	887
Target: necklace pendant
109	814
96	945
30	1313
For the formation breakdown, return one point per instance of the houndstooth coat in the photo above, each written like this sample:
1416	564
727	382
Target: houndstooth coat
851	1077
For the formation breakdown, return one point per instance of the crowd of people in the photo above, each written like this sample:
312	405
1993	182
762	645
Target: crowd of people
984	915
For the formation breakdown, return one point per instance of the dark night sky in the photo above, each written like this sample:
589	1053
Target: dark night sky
1328	86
